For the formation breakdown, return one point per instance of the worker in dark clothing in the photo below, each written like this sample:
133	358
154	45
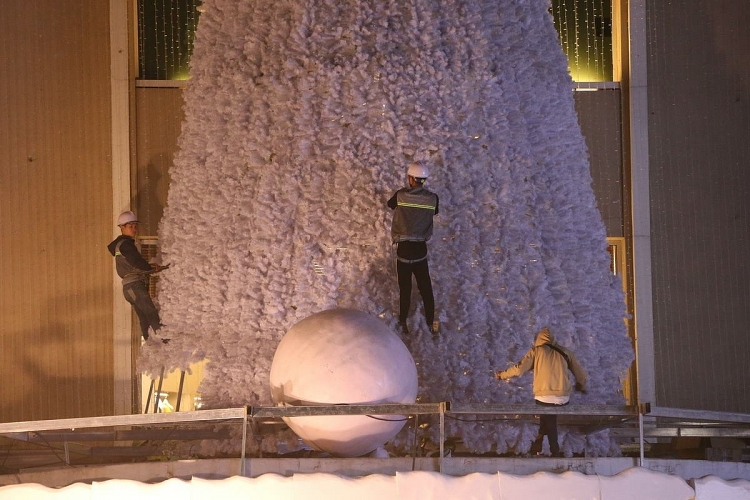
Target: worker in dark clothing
551	386
414	208
134	271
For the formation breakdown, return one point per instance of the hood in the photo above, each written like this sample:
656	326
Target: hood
544	337
111	247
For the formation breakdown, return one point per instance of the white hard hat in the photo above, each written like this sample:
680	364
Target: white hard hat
126	218
418	170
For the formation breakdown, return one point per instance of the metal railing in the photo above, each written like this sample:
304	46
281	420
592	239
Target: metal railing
693	422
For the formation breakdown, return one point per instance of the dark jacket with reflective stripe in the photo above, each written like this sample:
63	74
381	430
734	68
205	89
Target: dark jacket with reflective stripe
130	264
412	220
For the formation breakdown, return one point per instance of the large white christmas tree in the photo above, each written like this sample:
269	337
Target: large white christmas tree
301	118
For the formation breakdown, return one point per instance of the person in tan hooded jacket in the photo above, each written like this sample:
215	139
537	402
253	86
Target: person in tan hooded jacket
551	386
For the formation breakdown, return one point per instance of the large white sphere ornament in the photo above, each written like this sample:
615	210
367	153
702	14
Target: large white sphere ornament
343	356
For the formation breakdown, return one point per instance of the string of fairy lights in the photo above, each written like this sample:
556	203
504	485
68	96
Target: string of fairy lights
166	30
584	29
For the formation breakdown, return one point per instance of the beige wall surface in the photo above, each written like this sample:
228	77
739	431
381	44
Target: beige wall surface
158	121
55	210
599	115
699	143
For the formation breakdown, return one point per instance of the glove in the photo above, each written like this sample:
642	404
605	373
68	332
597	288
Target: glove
580	388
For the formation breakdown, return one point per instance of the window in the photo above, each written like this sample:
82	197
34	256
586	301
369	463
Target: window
585	31
166	30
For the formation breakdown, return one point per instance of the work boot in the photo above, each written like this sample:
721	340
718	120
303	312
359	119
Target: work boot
157	336
536	446
404	327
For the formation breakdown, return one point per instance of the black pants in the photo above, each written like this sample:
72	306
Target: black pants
547	427
421	272
137	294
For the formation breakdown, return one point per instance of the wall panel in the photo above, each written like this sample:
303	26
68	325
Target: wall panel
55	210
158	120
699	118
599	115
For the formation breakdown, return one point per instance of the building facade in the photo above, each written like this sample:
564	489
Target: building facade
82	138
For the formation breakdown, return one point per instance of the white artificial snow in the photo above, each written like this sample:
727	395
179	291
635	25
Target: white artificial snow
715	488
35	491
433	485
265	487
644	483
568	485
632	483
300	120
325	487
125	489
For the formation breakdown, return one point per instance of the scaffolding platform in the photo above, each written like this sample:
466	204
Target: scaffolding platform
146	437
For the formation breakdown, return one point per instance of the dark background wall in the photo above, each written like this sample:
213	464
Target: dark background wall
599	115
699	144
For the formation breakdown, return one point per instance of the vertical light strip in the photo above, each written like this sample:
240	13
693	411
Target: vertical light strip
120	93
180	28
577	37
163	40
641	212
617	40
140	29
